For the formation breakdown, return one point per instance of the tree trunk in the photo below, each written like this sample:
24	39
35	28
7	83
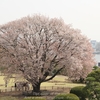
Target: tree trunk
36	88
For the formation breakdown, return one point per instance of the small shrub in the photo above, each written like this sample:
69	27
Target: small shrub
90	79
95	67
69	96
80	91
94	89
95	74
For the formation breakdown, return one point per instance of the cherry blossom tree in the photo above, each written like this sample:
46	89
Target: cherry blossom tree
37	45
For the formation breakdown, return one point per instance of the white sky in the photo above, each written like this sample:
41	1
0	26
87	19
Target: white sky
82	14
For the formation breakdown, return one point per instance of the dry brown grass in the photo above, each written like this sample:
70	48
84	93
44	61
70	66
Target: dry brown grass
50	89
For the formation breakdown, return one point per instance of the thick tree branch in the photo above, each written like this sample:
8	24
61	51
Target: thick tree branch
54	74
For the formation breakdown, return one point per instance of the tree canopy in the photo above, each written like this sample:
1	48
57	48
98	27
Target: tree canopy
37	45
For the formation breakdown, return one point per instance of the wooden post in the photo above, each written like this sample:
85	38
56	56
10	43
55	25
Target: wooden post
5	90
11	89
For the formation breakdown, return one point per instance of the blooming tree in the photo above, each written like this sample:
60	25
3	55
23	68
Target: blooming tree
37	45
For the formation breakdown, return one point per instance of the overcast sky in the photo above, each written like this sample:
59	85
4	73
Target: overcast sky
82	14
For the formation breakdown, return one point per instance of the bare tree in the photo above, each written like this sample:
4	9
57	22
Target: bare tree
97	47
37	45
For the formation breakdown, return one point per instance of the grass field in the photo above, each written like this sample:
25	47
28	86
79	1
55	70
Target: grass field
59	80
2	83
